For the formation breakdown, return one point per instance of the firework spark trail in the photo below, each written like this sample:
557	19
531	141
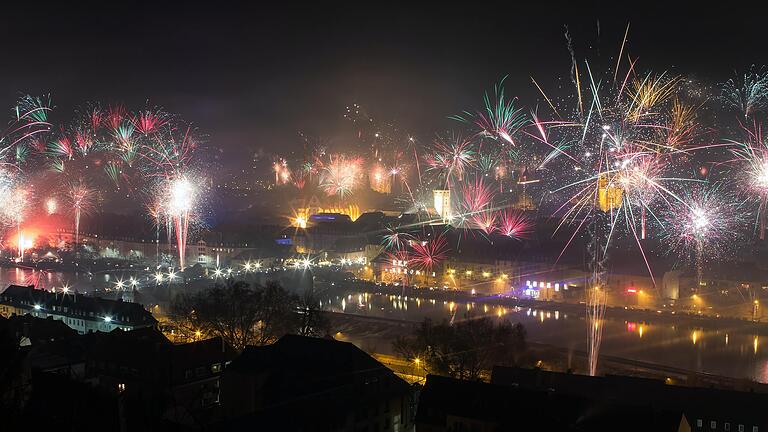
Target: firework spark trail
514	224
341	175
82	199
181	196
427	253
747	93
750	157
614	170
451	159
706	225
500	121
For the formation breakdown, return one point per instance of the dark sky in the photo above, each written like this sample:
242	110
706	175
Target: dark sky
252	76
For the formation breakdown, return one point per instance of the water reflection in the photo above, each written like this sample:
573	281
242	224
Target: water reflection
733	352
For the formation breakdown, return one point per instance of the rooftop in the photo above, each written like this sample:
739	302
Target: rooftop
81	306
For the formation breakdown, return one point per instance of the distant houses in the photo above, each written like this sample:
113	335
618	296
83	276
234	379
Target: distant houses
82	313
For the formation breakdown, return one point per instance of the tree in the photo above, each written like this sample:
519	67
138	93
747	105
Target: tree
244	315
466	349
231	312
312	320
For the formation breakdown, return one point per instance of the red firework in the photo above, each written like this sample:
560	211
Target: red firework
428	253
514	224
115	116
83	140
475	197
96	118
148	121
485	221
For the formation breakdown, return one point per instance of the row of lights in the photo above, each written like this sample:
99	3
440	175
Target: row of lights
107	318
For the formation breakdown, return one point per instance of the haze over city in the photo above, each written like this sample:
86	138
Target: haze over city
383	217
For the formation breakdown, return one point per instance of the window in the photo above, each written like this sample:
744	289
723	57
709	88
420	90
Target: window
121	388
726	426
216	367
713	424
699	423
741	428
754	428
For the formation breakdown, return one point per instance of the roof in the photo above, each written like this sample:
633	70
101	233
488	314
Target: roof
695	402
500	407
145	354
314	376
447	401
120	312
37	330
329	357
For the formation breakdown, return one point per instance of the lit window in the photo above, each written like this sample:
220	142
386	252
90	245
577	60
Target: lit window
699	423
754	428
713	424
741	428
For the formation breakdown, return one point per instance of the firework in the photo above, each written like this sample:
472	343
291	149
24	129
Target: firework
51	205
282	173
82	199
380	179
427	253
16	200
451	158
707	224
501	119
29	123
747	93
751	158
474	206
514	224
612	165
395	240
181	198
341	175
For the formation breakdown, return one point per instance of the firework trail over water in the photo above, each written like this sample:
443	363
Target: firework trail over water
616	163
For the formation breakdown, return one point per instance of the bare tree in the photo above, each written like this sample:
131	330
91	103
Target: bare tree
466	349
239	314
312	320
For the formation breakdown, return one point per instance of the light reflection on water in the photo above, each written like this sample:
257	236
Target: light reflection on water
736	352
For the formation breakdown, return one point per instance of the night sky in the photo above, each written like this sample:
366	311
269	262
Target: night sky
253	76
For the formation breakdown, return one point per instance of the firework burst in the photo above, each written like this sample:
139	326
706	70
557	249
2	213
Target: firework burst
341	175
82	200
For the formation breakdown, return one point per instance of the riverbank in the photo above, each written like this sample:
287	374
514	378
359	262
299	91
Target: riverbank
659	316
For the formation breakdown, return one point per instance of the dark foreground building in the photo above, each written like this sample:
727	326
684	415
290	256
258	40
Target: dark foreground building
705	409
532	399
121	380
313	384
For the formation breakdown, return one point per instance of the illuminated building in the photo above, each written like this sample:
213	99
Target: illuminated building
442	203
82	313
609	195
307	208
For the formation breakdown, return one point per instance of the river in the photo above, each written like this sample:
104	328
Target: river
740	352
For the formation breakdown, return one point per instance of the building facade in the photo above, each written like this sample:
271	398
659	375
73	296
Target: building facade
82	313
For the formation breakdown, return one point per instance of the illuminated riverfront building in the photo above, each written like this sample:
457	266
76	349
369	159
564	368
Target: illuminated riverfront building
82	313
